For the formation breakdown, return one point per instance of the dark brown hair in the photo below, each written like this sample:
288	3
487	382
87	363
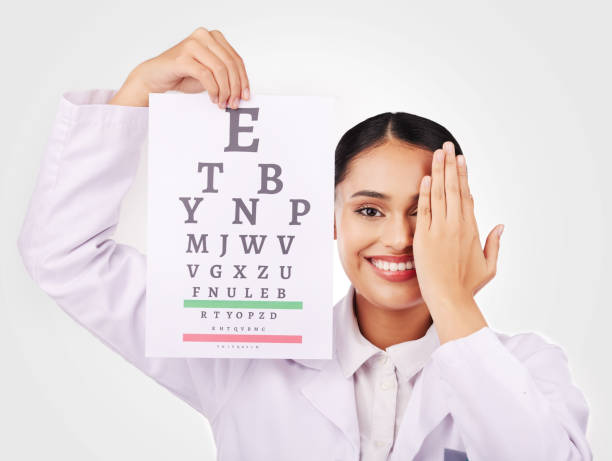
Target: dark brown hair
376	130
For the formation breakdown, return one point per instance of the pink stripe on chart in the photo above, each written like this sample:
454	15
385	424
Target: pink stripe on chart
200	337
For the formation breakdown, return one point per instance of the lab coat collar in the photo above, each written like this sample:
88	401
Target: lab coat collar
333	393
410	356
353	348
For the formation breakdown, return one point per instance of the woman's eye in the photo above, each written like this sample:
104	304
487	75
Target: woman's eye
371	212
368	215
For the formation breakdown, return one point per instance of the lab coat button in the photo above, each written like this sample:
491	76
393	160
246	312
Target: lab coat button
380	443
387	384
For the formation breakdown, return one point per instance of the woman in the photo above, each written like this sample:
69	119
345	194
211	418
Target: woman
416	372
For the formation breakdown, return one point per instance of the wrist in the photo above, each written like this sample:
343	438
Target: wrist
450	300
131	93
456	318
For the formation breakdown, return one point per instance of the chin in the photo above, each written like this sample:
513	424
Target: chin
381	294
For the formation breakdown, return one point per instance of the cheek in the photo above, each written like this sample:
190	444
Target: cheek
354	236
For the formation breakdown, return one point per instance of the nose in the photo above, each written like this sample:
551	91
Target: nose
398	233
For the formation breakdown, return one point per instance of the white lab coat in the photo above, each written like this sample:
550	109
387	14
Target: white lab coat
490	395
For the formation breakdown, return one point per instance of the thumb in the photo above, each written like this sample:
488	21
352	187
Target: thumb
491	249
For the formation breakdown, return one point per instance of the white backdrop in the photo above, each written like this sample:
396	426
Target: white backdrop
523	86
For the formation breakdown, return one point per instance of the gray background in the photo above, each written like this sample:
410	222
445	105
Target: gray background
522	85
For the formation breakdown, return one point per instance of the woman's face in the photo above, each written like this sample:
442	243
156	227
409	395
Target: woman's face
384	226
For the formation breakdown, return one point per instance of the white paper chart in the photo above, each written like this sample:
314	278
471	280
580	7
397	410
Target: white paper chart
240	227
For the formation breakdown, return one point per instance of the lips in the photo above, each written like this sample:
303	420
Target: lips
392	276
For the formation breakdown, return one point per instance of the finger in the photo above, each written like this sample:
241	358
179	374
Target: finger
467	200
424	204
491	251
209	59
451	184
189	67
464	189
232	67
244	80
438	201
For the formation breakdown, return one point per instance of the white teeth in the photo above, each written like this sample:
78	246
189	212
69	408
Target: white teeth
393	267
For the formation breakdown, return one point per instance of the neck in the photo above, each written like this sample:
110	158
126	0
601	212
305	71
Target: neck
386	327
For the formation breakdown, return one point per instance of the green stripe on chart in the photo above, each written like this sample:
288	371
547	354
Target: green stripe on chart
241	304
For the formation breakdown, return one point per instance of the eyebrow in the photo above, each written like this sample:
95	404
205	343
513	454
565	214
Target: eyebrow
374	194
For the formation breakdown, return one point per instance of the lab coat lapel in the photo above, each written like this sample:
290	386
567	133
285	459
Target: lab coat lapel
334	396
329	391
426	408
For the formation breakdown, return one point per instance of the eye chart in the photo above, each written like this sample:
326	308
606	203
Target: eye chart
240	227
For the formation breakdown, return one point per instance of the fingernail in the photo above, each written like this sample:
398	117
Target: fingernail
236	103
216	99
439	155
500	229
460	160
245	93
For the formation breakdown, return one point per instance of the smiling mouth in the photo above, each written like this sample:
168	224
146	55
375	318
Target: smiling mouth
400	272
392	267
